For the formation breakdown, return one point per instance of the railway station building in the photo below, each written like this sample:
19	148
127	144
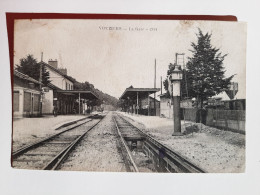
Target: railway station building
60	93
139	101
31	98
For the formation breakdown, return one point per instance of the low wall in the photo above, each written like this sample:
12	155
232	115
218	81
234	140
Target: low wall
227	119
233	120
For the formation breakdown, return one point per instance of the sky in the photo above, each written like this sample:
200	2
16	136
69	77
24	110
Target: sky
115	54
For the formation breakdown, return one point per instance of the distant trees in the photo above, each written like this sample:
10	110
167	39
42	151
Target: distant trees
205	74
31	67
103	97
84	86
106	98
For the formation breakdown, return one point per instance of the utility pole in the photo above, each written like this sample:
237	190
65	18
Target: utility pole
161	85
40	80
155	87
79	103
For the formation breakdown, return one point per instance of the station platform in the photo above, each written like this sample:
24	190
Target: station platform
28	130
214	150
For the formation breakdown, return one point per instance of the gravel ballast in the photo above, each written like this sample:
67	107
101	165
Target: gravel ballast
214	150
98	150
29	130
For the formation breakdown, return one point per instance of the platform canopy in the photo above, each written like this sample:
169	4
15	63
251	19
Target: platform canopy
83	94
141	92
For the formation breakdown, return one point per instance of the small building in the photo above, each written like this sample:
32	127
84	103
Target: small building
144	102
138	101
26	96
166	105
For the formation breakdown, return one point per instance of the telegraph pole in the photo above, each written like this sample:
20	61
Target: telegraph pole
161	85
79	103
40	80
155	87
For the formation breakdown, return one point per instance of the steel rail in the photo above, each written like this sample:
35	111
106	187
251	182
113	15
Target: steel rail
24	149
182	161
126	147
59	158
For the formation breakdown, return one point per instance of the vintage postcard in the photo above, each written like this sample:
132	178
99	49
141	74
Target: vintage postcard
122	95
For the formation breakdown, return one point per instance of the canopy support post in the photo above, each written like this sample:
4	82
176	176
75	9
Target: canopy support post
79	103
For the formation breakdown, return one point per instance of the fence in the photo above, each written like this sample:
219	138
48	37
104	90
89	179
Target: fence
233	120
189	114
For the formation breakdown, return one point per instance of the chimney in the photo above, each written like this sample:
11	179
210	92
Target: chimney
63	70
53	63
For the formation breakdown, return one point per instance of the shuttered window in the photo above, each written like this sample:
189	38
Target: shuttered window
16	101
36	101
27	102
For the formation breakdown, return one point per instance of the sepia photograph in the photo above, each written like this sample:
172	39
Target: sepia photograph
111	95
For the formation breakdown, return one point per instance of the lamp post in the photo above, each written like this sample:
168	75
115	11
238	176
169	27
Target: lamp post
175	79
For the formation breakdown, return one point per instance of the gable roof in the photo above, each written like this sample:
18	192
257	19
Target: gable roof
83	93
59	72
25	77
132	92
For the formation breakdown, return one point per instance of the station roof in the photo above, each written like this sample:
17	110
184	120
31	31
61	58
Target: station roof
83	94
142	92
25	77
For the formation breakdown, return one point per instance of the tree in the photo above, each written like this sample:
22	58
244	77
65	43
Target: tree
205	71
31	67
84	86
103	97
205	74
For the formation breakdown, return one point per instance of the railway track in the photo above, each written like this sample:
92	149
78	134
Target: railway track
49	153
131	163
163	158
